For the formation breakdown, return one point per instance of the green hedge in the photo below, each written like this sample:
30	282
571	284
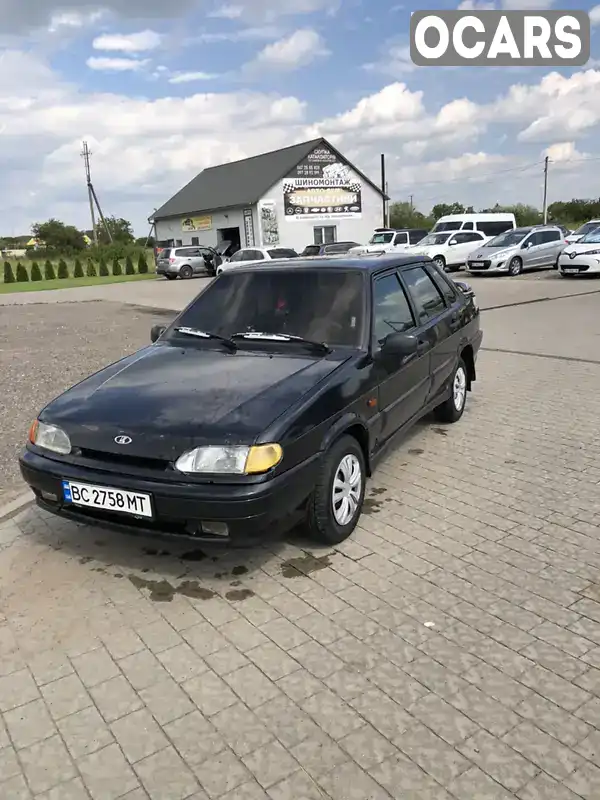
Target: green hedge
91	267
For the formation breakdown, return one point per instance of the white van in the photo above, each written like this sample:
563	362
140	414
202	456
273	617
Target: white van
491	224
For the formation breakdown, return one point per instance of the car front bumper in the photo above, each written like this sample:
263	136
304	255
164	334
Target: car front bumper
487	268
251	511
581	265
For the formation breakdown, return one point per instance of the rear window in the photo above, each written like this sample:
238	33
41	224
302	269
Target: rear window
282	252
166	253
311	250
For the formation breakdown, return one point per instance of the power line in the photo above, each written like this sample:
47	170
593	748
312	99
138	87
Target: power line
475	178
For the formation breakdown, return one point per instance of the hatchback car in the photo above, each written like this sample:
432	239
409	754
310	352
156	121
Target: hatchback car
588	227
331	249
185	262
581	258
267	402
255	255
449	250
536	247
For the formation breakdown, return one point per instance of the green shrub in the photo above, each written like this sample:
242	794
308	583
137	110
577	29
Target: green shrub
36	273
22	274
129	269
9	275
116	267
78	269
49	273
142	265
63	270
91	269
103	267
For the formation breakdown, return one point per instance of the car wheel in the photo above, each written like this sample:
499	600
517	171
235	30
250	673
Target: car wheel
440	262
186	272
453	408
170	277
336	502
515	266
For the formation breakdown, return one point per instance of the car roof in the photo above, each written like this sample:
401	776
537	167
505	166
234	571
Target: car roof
368	263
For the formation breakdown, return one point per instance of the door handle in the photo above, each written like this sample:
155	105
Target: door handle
421	345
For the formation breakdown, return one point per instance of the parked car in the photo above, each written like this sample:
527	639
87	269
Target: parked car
581	258
256	408
536	247
254	255
389	240
449	250
588	227
185	262
490	223
331	249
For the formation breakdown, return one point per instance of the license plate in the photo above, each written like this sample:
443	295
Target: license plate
476	264
108	499
569	270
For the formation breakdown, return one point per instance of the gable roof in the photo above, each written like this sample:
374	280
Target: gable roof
241	183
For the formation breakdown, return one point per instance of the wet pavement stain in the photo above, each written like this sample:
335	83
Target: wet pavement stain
379	490
510	461
193	555
151	551
193	590
239	594
160	591
371	506
241	570
441	431
85	559
118	575
416	451
304	565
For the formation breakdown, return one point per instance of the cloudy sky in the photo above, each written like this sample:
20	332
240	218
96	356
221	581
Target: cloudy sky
161	90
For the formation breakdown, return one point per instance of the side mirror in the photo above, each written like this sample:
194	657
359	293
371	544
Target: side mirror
526	245
156	332
452	242
400	344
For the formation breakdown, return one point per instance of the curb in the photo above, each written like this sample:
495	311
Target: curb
10	509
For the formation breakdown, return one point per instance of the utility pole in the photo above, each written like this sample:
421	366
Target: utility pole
387	206
546	162
85	154
93	197
383	190
412	208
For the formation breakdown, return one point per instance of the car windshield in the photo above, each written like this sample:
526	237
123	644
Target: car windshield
448	226
275	302
382	238
282	252
587	228
593	237
434	239
508	239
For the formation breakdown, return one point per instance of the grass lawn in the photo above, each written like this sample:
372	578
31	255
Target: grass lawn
69	283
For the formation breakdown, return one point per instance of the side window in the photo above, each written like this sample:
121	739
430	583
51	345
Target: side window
533	239
253	255
443	283
459	238
550	236
425	294
391	310
237	256
468	226
401	238
473	237
494	228
416	236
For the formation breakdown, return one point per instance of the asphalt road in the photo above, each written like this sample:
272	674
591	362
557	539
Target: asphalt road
44	349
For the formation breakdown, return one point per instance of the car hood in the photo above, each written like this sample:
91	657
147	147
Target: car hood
580	247
490	251
168	398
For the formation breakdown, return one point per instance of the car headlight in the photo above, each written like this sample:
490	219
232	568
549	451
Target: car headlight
50	437
235	460
591	253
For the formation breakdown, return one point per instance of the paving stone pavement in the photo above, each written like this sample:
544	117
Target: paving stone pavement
450	650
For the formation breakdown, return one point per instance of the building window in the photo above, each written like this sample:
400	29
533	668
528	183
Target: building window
325	235
195	241
178	242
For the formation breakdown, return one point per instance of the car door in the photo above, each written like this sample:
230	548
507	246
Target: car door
400	241
403	381
436	324
531	250
460	246
551	245
196	259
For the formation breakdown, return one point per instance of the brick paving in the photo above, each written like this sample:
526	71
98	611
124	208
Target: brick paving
450	650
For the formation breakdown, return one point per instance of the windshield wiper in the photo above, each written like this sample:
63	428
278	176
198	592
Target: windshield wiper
207	335
282	337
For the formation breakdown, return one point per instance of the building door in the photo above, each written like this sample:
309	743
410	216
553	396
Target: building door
230	235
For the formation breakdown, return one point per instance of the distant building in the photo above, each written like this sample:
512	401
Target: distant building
304	194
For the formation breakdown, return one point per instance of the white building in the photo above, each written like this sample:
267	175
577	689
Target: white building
304	194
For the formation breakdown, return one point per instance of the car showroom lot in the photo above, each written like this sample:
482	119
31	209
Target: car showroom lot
449	649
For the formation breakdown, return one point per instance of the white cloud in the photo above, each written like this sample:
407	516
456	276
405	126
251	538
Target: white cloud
107	64
73	20
526	5
476	5
128	43
595	15
227	12
296	50
563	153
189	77
396	61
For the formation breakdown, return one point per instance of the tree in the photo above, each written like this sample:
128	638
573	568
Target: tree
129	268
9	275
120	229
403	215
78	269
22	274
443	209
63	270
103	267
91	269
49	273
145	241
116	267
36	273
55	235
142	265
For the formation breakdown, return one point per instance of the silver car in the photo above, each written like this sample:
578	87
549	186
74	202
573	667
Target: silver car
185	262
536	247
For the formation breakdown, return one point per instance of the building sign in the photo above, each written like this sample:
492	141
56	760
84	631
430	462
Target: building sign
321	187
249	227
192	224
269	227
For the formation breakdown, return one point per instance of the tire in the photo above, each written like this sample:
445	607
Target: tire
186	272
440	262
170	277
564	275
515	266
340	463
453	408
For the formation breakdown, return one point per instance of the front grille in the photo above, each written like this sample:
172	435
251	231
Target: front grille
480	265
120	459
